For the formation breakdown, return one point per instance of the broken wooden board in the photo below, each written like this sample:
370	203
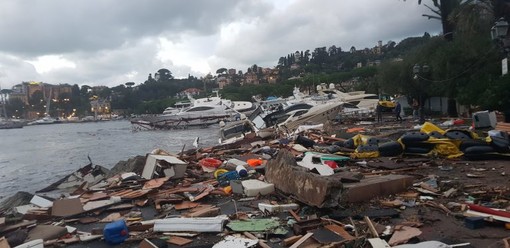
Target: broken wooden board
180	241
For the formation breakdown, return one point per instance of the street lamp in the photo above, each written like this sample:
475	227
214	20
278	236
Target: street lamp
418	70
499	34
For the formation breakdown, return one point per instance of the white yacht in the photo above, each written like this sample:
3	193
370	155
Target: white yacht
45	120
200	116
316	115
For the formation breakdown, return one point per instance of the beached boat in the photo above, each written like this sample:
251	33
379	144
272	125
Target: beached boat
316	115
238	130
197	116
45	120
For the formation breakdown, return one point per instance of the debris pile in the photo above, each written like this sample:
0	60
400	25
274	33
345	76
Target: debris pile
310	190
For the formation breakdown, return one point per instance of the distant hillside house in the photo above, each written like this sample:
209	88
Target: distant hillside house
191	91
222	82
251	78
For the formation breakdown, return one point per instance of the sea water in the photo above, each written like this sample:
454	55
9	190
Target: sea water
33	157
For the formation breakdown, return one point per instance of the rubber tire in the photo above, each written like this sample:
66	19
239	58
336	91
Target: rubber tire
410	138
367	148
458	135
479	150
436	135
349	144
390	149
469	143
500	144
417	149
304	141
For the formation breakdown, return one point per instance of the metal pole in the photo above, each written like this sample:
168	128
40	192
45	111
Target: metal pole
422	115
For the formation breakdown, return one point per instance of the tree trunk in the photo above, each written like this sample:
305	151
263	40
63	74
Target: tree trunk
446	9
452	108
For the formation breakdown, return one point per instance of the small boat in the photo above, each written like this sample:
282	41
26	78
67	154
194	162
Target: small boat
45	120
197	116
316	115
238	130
10	124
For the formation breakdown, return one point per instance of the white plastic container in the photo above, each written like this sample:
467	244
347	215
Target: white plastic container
253	187
241	170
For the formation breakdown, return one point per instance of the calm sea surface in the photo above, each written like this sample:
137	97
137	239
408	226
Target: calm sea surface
33	157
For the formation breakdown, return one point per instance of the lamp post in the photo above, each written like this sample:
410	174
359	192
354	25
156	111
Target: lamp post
499	34
418	70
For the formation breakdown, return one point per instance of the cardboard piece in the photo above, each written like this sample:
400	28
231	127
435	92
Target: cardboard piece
66	207
403	234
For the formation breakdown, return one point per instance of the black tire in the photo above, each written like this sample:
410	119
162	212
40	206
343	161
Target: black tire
367	148
500	144
436	135
390	149
410	138
479	150
469	143
349	143
458	135
418	149
304	141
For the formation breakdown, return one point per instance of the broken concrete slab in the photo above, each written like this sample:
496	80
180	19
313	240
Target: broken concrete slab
310	188
372	187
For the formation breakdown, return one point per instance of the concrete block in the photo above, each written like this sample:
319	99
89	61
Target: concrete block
309	188
370	188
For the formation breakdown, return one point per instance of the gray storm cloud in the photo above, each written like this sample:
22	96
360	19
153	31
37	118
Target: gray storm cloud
115	41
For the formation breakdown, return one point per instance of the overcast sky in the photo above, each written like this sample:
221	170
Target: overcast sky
110	42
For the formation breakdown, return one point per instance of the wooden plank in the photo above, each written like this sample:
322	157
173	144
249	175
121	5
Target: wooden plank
301	240
261	243
340	231
180	241
291	240
371	227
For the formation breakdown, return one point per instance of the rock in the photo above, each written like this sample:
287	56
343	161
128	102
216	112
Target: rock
134	164
20	198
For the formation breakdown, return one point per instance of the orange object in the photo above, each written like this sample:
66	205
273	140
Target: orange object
210	162
227	190
355	129
254	162
459	122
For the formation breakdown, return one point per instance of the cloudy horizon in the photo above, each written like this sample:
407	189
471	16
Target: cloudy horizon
111	42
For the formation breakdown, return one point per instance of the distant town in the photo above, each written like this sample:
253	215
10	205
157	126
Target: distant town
29	100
